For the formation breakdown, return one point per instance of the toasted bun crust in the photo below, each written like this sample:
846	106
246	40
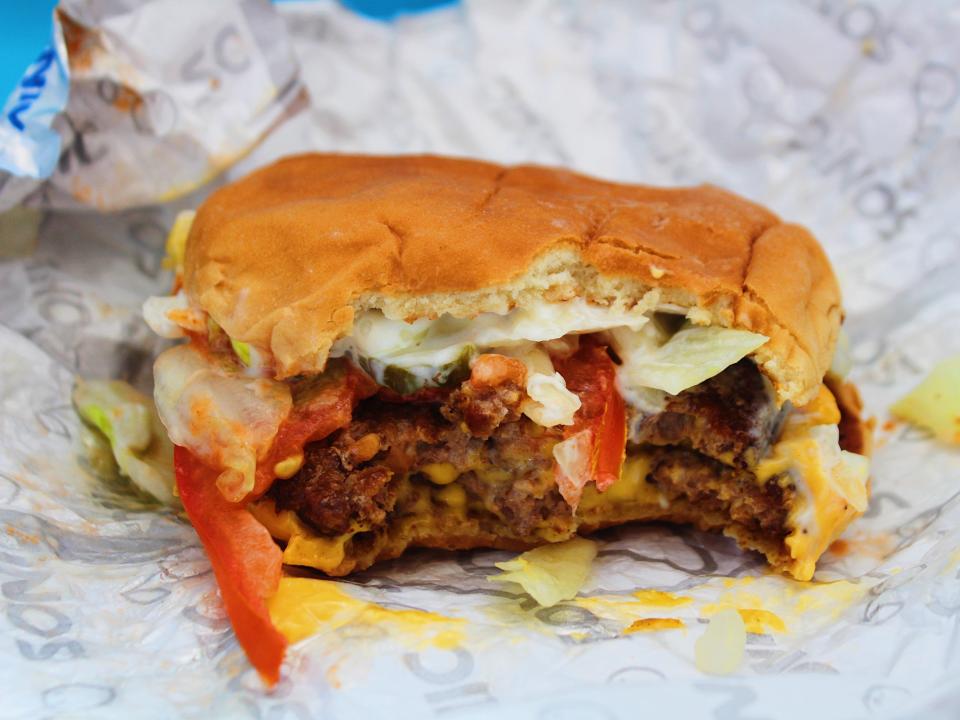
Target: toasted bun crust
284	258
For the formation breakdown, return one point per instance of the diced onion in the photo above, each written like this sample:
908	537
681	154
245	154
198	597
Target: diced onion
720	650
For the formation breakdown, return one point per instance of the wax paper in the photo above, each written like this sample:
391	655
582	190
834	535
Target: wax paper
841	115
163	96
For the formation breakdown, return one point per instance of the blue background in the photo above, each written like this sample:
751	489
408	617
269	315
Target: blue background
25	27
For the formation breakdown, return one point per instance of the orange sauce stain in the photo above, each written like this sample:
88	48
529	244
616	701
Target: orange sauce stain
80	41
21	535
654	625
840	547
333	676
126	99
876	546
889	425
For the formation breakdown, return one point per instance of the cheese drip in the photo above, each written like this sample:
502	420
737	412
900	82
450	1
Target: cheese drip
831	483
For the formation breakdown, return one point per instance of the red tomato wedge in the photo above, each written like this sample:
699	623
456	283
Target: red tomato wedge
600	424
320	406
245	559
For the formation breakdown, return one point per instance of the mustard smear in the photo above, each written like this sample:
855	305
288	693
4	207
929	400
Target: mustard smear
759	621
653	625
626	608
303	607
658	598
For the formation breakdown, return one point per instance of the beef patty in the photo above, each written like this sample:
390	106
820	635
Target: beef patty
731	418
702	445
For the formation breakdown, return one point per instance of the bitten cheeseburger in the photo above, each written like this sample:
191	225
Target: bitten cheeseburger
396	352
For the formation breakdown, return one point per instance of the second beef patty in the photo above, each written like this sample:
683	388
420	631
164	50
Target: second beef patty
701	447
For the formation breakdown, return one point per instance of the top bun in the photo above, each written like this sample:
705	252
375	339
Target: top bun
284	258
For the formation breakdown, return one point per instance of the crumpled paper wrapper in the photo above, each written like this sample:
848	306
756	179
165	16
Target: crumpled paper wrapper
839	115
163	96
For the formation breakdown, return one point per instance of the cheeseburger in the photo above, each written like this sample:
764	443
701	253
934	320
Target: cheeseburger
394	352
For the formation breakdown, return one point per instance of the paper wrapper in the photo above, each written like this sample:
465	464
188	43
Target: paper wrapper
163	96
842	116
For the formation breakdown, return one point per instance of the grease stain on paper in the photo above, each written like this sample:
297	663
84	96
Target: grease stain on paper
627	607
877	546
767	604
303	607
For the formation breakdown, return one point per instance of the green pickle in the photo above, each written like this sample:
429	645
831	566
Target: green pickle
406	382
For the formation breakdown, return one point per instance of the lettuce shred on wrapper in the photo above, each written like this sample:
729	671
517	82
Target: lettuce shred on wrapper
551	573
935	403
129	421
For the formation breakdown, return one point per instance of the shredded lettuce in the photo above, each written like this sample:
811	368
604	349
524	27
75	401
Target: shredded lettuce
435	343
130	423
242	350
690	356
935	403
551	573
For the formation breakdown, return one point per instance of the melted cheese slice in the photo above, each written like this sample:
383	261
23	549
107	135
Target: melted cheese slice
303	546
831	483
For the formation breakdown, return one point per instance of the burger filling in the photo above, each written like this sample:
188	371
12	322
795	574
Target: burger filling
509	431
475	456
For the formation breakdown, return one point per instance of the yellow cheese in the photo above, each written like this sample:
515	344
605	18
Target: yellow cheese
759	620
659	598
453	496
654	625
316	552
304	547
831	484
440	473
493	475
303	607
282	524
286	469
822	410
632	487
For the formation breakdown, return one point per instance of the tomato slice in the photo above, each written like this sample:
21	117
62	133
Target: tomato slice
320	406
246	561
601	419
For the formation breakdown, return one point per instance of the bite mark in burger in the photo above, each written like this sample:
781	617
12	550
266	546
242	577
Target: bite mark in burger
395	352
